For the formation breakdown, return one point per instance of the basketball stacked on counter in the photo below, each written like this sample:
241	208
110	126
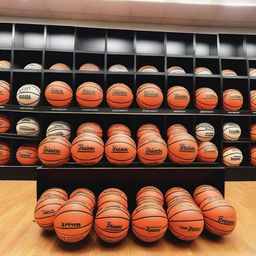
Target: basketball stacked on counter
71	217
112	219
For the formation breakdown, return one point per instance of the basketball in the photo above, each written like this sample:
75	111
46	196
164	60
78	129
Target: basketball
87	149
89	67
232	100
73	221
176	128
232	156
5	88
149	200
27	154
228	72
147	128
5	153
204	192
89	127
149	96
119	96
175	70
58	94
118	129
253	155
89	95
252	71
185	221
45	211
253	99
207	152
60	66
59	128
205	132
118	68
112	223
149	191
148	68
5	64
231	131
182	148
206	98
113	191
219	217
120	149
54	151
28	126
175	193
111	197
152	151
178	97
84	192
5	123
33	66
55	191
203	71
28	95
149	222
253	132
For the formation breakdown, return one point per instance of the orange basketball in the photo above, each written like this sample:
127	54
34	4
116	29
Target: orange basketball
149	199
152	150
119	96
182	148
58	94
27	154
204	192
176	128
112	223
253	99
87	149
253	155
89	95
106	198
147	135
89	67
149	191
178	97
253	132
175	192
113	191
5	89
147	128
232	99
54	151
55	192
45	211
60	66
5	153
84	191
219	217
89	127
185	220
149	96
207	152
206	98
180	199
85	199
149	222
120	149
5	123
73	221
118	128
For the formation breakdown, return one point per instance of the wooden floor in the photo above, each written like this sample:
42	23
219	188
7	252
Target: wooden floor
19	235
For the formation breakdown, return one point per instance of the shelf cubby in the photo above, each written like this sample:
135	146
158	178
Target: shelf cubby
82	58
206	45
6	36
127	61
5	55
23	58
157	62
251	46
239	66
53	57
212	64
186	63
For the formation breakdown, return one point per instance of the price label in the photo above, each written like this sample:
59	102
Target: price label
90	109
179	111
2	107
206	111
119	110
59	109
27	108
150	110
233	112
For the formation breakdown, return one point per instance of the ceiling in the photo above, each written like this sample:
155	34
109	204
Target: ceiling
175	12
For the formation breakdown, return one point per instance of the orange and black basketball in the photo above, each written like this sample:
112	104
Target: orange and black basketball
118	129
5	89
232	100
207	152
206	98
5	123
5	153
27	154
178	97
89	127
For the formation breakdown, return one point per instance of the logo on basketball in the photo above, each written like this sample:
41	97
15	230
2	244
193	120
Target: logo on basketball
71	225
153	229
57	91
48	150
112	227
119	150
222	220
153	151
82	148
184	148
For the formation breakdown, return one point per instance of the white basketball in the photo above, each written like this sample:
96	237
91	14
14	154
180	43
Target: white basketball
232	156
33	66
59	128
28	95
231	131
203	71
175	70
28	127
205	132
118	68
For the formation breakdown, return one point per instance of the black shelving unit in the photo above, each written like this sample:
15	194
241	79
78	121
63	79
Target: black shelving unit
47	44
